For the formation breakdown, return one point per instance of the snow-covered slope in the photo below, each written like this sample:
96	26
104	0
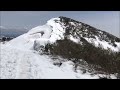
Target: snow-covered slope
59	28
18	63
20	60
21	63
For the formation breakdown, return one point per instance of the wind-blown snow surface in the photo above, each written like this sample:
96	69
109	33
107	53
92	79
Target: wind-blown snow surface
19	63
19	60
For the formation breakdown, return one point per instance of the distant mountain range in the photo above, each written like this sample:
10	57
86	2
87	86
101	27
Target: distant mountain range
11	32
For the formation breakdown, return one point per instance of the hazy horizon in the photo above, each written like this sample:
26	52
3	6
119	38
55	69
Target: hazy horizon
104	20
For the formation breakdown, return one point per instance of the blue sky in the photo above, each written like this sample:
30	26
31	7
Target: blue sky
104	20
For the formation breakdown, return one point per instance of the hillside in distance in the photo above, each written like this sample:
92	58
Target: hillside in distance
11	32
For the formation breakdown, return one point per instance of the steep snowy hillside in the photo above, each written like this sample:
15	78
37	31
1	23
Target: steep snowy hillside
20	59
62	27
76	31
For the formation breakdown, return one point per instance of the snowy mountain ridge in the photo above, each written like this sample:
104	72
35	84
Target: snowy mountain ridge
62	27
20	60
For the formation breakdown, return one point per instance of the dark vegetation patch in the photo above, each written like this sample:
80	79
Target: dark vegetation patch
98	60
3	39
